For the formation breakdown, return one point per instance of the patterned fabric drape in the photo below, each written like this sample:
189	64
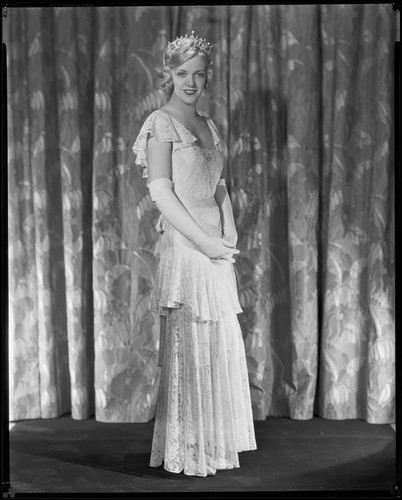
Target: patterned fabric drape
304	100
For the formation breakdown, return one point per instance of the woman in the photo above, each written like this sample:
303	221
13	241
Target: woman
203	415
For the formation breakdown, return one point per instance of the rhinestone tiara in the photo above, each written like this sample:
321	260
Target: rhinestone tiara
201	43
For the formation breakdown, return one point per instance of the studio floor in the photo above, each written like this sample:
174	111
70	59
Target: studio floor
67	456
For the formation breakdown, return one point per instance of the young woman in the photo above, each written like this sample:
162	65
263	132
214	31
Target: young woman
203	415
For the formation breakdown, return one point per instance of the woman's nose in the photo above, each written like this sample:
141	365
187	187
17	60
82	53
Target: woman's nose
191	81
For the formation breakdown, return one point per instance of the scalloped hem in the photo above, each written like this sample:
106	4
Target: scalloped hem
210	472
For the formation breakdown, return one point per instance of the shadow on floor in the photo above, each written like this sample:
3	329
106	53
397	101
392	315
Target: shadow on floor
65	455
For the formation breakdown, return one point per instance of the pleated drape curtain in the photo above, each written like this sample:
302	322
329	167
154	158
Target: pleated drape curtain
303	97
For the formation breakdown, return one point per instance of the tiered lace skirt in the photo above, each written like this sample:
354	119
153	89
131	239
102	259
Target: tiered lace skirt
203	414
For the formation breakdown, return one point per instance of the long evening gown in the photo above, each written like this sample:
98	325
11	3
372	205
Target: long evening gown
203	413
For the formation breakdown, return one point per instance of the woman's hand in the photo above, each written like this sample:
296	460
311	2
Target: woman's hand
219	248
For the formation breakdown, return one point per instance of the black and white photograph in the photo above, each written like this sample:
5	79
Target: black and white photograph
199	277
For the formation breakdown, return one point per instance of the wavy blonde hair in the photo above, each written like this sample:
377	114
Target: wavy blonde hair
181	55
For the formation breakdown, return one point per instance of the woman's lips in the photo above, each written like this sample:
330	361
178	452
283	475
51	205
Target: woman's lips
189	92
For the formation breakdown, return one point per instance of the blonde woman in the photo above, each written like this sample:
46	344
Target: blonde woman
203	413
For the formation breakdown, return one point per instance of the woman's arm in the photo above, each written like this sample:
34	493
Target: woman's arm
161	191
225	206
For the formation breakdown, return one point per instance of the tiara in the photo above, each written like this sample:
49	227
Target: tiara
201	43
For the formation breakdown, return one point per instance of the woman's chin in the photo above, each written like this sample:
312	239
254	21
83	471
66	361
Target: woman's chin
189	98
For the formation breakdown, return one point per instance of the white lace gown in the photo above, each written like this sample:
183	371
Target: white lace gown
203	413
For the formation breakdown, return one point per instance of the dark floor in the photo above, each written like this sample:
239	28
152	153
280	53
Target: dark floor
65	455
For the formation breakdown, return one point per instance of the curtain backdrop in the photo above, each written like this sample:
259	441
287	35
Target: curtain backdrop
303	97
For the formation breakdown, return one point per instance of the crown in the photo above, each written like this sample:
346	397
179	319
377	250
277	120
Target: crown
201	43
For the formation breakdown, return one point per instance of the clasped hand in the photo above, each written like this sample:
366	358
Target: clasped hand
218	248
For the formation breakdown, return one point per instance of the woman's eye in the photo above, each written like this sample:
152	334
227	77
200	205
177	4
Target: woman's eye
200	75
181	74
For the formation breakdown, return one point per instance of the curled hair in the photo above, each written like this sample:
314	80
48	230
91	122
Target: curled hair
181	55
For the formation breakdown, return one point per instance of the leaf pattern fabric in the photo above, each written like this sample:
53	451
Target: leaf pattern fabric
303	98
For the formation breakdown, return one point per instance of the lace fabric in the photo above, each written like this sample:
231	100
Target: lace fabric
165	128
187	276
203	417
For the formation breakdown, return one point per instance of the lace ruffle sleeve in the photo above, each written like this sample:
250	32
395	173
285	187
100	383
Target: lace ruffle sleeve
161	126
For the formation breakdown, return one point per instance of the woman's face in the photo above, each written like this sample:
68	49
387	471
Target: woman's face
189	79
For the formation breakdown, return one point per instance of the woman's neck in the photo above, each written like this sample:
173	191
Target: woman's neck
186	110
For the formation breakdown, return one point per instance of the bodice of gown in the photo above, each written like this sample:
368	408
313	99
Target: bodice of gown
195	170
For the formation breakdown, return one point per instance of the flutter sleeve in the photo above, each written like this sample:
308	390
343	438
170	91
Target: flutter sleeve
157	125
